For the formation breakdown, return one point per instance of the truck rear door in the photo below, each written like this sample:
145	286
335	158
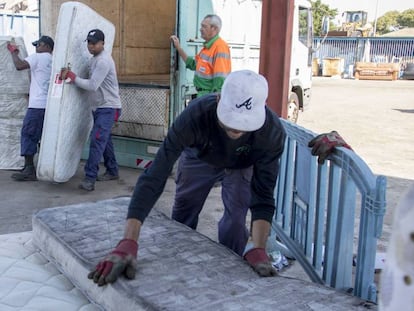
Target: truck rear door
241	30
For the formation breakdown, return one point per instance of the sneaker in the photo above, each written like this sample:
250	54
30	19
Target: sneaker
87	185
107	176
28	173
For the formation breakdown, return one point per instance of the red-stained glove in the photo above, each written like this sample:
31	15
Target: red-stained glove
324	144
12	47
67	75
122	260
259	261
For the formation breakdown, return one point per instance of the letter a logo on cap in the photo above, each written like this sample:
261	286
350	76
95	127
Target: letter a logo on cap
247	103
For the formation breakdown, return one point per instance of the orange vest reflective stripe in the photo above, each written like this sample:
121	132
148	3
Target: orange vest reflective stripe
214	61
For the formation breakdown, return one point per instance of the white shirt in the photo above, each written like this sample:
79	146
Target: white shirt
40	71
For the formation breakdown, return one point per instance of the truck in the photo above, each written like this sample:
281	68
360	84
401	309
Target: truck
155	86
353	24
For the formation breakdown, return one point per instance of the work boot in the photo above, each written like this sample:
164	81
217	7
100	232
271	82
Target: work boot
28	173
107	176
87	185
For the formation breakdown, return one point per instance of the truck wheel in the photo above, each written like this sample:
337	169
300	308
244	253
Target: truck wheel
293	108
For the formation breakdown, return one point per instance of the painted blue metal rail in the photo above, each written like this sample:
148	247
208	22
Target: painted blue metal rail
316	214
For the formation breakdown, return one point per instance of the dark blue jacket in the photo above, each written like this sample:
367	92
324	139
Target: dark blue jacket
197	127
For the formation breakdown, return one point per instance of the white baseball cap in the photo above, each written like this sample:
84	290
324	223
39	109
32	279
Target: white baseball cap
242	101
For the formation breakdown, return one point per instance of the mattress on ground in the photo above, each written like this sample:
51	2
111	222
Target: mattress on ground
13	104
178	268
28	281
68	118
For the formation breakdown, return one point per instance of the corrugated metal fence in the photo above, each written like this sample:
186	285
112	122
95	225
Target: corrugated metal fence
372	49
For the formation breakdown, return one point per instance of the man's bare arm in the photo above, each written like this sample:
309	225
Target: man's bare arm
260	232
20	64
132	229
177	45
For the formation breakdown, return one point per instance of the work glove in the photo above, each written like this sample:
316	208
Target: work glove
67	75
122	260
12	47
324	144
259	261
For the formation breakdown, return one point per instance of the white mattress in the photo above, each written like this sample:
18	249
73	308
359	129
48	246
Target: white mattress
13	104
396	290
28	281
68	118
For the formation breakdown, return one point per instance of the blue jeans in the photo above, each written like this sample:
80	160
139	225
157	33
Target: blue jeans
31	132
194	181
101	143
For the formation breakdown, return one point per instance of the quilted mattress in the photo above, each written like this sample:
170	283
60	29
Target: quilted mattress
13	104
28	281
178	268
68	118
397	278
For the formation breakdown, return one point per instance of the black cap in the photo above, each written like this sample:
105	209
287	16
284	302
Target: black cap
95	35
46	40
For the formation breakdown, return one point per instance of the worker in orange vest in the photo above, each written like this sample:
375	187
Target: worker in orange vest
213	64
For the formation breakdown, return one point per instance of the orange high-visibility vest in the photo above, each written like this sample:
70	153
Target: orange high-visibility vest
212	65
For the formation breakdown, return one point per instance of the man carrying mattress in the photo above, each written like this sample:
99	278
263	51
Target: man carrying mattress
40	65
103	96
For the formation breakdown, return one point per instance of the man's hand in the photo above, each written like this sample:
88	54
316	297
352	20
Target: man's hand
12	47
259	261
67	75
174	39
323	145
122	260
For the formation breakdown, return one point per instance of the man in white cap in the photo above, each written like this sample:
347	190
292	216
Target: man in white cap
230	137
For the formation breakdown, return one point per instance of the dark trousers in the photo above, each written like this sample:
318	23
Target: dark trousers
101	143
31	132
193	184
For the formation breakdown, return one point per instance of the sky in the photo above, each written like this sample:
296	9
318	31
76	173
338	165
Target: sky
370	6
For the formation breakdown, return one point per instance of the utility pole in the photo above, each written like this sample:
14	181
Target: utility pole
376	17
275	51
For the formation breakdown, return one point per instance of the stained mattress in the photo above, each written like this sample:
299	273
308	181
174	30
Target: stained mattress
13	104
68	118
178	268
28	281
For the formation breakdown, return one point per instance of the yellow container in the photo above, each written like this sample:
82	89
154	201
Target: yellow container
315	67
332	67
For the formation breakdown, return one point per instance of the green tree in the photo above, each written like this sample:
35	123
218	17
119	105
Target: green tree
386	21
406	18
319	10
